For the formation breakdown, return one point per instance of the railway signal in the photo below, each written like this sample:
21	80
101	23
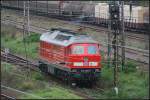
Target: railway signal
114	11
114	16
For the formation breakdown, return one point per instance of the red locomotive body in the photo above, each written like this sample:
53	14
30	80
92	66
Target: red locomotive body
69	55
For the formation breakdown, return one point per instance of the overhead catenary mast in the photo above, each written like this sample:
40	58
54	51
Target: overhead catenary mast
116	27
123	36
26	26
26	17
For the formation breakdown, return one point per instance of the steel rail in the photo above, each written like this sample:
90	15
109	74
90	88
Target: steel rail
7	97
131	36
11	58
17	59
18	91
75	92
57	16
103	44
46	30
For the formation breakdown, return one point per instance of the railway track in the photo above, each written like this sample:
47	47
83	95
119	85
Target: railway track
41	29
99	29
6	97
62	17
17	60
131	53
95	28
12	93
12	59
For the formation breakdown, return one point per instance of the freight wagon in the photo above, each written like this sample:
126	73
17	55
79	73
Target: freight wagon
91	13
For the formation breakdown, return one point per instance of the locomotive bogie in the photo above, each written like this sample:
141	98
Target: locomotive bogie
70	74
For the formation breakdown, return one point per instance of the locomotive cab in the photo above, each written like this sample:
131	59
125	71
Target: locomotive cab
84	60
86	55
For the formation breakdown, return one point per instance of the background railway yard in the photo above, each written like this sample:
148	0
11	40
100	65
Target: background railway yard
20	77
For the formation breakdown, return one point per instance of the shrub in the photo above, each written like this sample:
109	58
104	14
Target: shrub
37	76
32	38
130	67
27	85
7	67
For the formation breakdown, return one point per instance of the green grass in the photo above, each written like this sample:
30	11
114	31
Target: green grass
37	76
16	45
33	85
49	23
53	93
133	84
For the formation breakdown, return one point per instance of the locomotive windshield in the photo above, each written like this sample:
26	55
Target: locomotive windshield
84	49
78	50
92	50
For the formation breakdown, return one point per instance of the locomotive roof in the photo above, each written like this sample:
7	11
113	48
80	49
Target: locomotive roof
65	37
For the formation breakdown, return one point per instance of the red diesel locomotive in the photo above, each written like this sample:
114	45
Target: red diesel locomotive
69	55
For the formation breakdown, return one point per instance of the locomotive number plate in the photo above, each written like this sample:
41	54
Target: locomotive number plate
87	70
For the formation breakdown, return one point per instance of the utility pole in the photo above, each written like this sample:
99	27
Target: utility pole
26	17
123	35
60	6
109	42
115	27
130	2
47	7
26	28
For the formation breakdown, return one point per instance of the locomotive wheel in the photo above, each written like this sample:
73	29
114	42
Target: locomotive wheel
70	82
73	84
90	84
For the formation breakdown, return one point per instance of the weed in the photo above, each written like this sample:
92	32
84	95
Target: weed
130	67
37	76
17	45
28	85
54	93
6	67
132	84
32	38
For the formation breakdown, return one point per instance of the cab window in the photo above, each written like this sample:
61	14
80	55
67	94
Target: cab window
92	50
78	50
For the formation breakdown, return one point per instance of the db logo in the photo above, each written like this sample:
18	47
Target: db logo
85	63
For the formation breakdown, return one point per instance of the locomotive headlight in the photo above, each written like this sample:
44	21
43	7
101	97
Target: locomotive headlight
78	64
93	63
